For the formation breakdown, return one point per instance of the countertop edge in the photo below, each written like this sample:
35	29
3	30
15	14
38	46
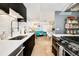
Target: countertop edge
14	41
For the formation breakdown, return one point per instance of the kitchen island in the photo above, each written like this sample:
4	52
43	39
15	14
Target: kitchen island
7	47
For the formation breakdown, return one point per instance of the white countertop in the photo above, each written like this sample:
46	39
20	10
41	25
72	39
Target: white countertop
8	46
58	35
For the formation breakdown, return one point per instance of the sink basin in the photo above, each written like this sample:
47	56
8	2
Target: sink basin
18	38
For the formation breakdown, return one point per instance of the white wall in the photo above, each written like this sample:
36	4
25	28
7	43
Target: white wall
5	24
43	13
33	26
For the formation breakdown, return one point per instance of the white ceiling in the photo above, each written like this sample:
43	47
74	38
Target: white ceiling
43	11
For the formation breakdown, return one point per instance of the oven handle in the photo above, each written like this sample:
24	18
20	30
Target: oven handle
20	51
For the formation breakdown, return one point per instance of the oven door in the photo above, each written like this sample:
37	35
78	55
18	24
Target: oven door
66	53
61	51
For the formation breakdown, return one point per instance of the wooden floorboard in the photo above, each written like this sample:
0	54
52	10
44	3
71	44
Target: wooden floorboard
43	47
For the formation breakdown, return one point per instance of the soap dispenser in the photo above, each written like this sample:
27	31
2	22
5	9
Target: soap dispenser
24	30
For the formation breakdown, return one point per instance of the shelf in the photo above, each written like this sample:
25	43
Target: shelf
72	28
73	23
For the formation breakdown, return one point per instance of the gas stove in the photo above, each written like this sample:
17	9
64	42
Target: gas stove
71	45
74	48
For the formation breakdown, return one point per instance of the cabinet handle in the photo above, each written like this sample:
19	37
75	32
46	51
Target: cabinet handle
20	51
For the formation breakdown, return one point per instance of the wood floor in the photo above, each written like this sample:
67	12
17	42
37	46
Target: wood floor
43	47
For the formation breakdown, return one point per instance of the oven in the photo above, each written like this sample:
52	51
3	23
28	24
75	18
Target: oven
67	53
63	51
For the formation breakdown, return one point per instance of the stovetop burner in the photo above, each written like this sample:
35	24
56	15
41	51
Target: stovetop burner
71	38
71	45
74	48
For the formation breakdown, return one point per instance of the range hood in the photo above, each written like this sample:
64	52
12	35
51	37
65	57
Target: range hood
73	7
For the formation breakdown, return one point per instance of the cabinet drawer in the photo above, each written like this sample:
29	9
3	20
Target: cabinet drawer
17	51
20	53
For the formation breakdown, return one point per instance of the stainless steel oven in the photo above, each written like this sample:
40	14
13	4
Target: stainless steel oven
66	53
63	52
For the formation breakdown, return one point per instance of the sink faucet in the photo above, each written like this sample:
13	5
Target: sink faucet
12	28
2	36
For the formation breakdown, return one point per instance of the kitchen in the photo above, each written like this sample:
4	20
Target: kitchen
21	24
14	41
65	40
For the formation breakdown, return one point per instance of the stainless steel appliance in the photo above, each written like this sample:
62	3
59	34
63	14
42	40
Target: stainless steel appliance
71	45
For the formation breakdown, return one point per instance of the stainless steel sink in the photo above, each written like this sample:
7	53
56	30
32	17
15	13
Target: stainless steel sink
18	38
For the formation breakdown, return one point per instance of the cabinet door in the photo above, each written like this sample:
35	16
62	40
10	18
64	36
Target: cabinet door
27	51
54	45
29	45
18	51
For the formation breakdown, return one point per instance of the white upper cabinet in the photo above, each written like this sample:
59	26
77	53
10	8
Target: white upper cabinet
16	10
2	12
14	13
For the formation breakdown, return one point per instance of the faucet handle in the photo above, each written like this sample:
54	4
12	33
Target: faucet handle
3	35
